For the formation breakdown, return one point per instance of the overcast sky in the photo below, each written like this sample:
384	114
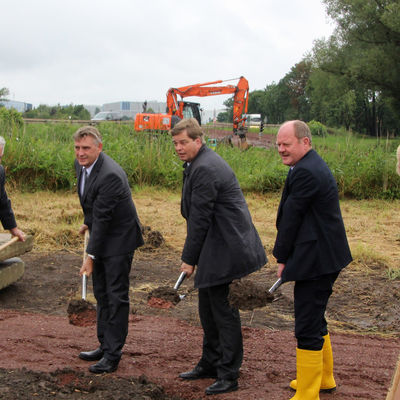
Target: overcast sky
95	52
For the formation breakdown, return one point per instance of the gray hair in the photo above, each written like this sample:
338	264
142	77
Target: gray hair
301	130
88	131
2	141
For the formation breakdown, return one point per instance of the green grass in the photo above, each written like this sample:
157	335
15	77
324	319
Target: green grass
41	156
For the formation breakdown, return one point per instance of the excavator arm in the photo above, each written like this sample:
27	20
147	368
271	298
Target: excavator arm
240	98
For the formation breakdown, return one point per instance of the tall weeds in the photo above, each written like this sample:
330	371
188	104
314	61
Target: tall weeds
41	156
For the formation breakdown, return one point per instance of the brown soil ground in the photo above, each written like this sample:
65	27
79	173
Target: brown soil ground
252	138
39	343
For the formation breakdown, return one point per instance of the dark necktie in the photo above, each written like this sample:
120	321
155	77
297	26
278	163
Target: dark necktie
84	180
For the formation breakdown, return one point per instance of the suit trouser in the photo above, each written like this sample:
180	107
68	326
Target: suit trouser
222	339
310	301
111	290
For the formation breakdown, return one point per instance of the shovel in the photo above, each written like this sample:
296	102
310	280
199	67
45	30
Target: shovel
81	312
13	240
178	283
275	286
84	276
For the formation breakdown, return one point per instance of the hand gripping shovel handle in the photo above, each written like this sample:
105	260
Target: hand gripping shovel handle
181	278
275	286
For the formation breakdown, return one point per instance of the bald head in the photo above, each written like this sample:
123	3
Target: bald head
293	141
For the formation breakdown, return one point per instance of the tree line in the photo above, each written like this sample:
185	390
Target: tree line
350	80
58	112
43	111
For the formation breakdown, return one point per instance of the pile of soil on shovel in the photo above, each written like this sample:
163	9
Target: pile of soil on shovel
81	313
246	295
163	297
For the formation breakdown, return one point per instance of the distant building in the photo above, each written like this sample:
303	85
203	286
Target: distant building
131	108
20	106
93	109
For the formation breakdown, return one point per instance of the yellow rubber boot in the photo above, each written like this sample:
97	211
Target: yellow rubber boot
309	374
328	383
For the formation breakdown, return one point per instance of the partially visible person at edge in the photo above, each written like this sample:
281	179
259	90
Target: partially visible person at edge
110	217
7	216
398	161
223	244
311	249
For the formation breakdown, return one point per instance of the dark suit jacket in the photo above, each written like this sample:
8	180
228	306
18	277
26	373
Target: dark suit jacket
6	213
109	210
311	238
221	238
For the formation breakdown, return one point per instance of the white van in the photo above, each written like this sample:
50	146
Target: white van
107	116
253	120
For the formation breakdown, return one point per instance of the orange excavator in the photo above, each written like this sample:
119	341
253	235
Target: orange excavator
178	109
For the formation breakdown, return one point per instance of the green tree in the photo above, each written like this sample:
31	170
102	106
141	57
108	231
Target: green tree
332	99
229	108
287	99
276	102
296	81
223	117
355	78
4	92
256	103
366	44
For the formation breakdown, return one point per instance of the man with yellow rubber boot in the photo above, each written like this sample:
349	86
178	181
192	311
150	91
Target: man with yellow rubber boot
311	249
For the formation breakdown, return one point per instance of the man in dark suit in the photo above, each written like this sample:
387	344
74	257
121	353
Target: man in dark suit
224	245
115	233
311	249
7	216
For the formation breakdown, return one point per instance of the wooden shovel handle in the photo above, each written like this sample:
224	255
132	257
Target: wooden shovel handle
13	240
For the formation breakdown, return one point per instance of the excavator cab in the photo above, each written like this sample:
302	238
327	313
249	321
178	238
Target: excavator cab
190	110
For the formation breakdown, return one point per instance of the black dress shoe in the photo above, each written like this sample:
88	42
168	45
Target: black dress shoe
222	386
104	366
198	372
94	355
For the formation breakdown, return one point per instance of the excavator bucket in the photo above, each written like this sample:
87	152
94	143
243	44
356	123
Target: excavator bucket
241	132
243	145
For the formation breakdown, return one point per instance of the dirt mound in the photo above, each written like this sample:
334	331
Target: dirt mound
70	384
81	313
152	239
246	295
